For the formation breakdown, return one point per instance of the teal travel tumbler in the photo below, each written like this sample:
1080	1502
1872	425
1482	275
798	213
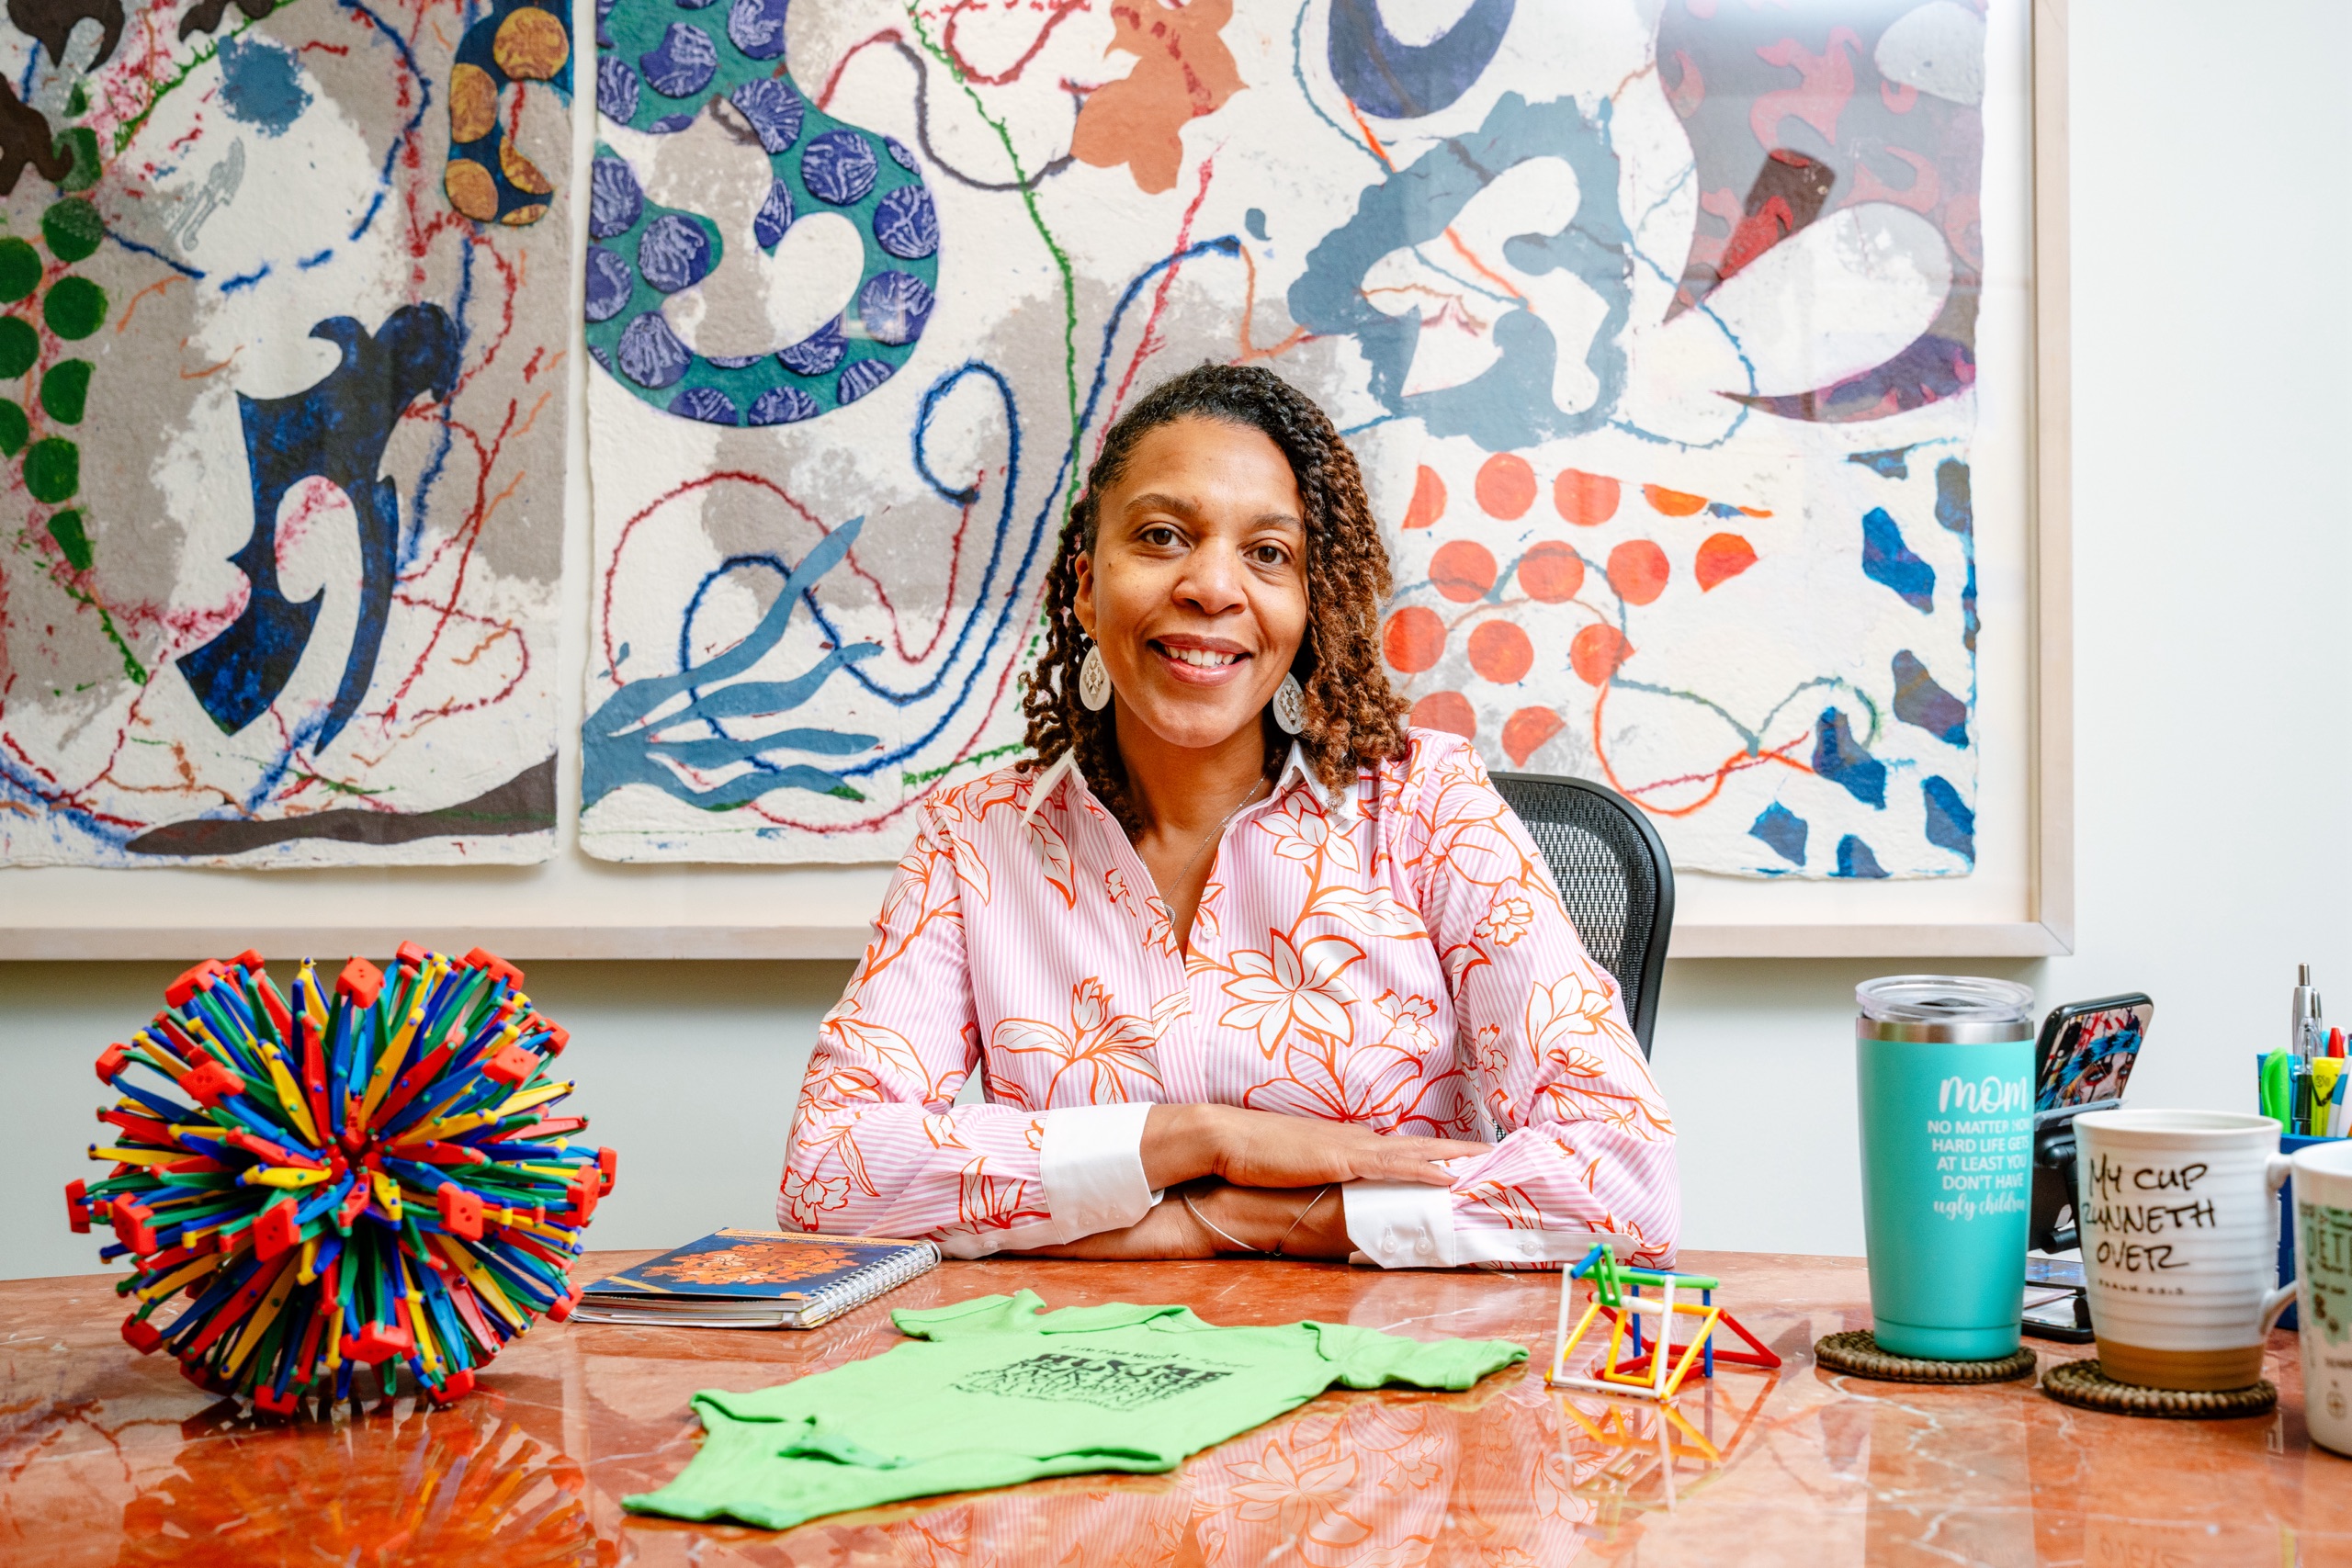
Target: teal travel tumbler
1944	1065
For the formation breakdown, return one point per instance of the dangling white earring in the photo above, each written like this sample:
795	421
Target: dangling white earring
1290	705
1094	682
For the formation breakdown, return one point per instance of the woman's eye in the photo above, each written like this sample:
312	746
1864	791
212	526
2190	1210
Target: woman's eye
1270	555
1158	536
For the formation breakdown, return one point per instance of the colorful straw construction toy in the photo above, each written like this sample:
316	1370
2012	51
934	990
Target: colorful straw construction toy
1652	1373
368	1177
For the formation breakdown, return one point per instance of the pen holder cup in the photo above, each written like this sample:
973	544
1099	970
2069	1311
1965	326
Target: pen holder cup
2288	1144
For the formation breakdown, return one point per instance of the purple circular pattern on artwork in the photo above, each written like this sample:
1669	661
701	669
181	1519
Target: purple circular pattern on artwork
673	252
774	215
860	379
817	353
708	404
615	203
899	155
894	306
603	12
756	26
615	91
670	122
839	167
682	64
610	283
774	110
906	224
651	354
690	5
782	405
733	361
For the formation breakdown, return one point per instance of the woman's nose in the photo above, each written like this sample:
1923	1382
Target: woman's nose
1212	579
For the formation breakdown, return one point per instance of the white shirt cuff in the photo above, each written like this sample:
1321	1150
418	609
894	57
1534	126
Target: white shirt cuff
1404	1224
1091	1165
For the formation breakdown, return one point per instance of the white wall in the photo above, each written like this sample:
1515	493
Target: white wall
2213	397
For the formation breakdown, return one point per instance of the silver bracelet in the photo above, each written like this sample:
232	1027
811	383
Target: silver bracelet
1302	1217
1187	1197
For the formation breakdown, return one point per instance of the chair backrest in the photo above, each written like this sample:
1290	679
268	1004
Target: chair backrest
1614	875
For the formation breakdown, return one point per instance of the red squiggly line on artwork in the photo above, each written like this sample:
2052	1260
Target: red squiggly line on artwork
1738	762
1150	339
1058	14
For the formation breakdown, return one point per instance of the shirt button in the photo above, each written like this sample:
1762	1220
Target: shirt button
1389	1238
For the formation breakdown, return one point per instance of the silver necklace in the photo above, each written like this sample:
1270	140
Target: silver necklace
1214	834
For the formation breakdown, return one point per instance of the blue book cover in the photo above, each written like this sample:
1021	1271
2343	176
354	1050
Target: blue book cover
783	1266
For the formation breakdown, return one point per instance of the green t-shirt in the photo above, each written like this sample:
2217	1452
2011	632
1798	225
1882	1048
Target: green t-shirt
991	1393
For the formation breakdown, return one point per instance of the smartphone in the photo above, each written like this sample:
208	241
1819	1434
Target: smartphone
2086	1052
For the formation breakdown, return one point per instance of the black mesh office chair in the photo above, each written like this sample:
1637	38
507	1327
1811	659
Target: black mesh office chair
1614	875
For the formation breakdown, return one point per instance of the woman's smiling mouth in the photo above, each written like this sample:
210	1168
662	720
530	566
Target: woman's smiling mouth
1198	660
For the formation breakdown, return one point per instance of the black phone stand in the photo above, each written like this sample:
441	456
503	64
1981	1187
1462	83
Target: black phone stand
2054	1200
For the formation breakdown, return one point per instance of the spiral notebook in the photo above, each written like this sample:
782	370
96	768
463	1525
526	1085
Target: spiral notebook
736	1279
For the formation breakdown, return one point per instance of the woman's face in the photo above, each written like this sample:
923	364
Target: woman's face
1195	590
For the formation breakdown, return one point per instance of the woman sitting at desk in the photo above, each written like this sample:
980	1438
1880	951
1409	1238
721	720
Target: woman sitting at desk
1235	936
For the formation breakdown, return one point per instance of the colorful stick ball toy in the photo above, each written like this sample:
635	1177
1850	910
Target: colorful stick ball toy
368	1177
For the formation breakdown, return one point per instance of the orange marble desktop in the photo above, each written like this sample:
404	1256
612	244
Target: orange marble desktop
106	1457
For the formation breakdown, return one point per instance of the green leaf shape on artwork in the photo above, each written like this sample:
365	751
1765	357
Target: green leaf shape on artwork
65	527
15	428
74	307
19	270
20	347
54	469
65	390
72	229
77	101
81	144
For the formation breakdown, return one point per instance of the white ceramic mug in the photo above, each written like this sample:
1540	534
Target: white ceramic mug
2180	1218
2323	1308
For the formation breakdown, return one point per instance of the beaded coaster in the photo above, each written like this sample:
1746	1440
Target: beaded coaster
1857	1352
2086	1384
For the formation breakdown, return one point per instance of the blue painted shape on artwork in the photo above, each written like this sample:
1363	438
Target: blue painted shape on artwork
1855	860
733	361
862	377
1919	700
1382	75
620	747
906	224
682	64
604	14
839	167
614	201
670	122
1838	757
901	154
1782	831
616	90
706	404
651	354
1949	821
1956	512
336	431
782	405
675	253
1888	561
1509	404
1894	463
817	353
1255	221
261	84
894	307
768	225
609	282
772	106
756	26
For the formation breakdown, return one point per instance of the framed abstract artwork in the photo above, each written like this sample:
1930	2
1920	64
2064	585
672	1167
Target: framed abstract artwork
1706	361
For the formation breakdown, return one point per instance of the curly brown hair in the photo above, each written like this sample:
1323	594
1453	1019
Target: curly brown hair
1353	717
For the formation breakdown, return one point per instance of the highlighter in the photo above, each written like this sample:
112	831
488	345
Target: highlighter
2278	1086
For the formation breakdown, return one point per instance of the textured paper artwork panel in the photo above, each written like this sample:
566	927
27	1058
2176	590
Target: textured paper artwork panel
1654	333
283	348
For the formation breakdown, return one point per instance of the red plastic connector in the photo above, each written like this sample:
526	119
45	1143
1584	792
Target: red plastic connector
141	1335
276	1403
276	1231
409	957
132	1224
608	1166
561	1308
112	1060
378	1342
77	1206
461	1210
250	960
557	1038
497	968
211	1082
191	981
511	1066
454	1387
361	981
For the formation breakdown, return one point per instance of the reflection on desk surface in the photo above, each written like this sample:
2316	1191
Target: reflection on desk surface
109	1459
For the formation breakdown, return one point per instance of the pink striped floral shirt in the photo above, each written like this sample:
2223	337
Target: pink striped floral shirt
1398	958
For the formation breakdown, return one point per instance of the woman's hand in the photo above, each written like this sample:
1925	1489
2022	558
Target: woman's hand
1266	1148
